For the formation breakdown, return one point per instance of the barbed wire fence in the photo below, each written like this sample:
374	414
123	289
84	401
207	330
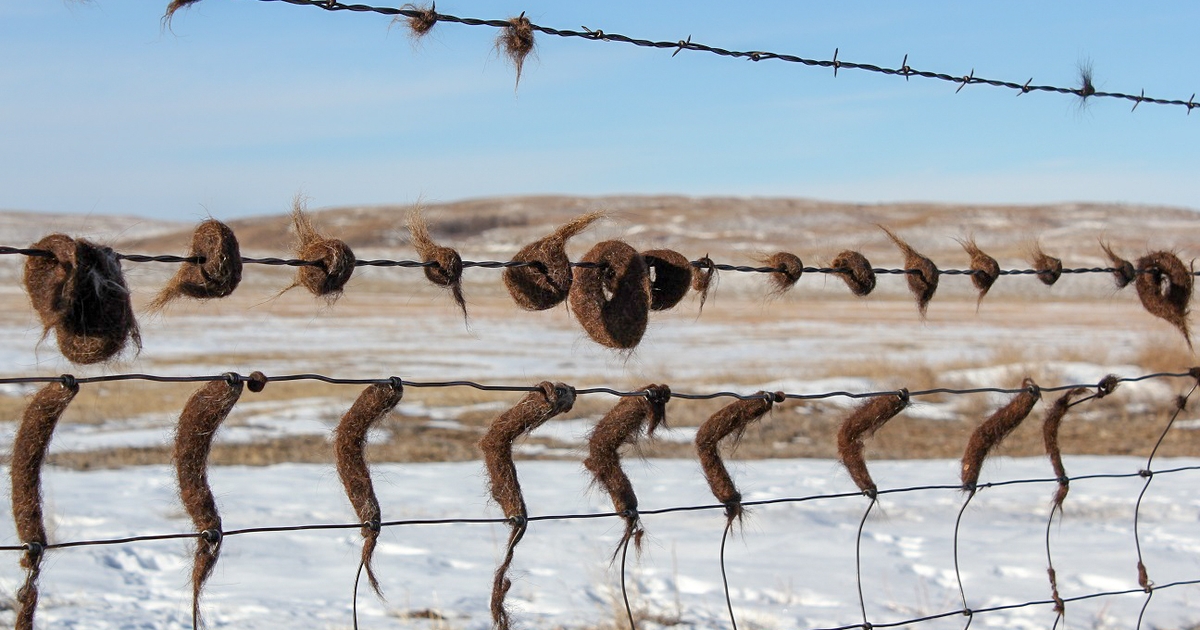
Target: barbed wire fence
612	290
518	32
78	290
512	264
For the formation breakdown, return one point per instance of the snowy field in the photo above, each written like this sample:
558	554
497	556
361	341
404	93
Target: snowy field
791	565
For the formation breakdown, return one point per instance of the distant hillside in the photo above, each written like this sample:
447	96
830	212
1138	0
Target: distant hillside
19	229
732	228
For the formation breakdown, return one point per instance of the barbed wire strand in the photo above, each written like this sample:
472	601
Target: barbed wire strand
68	379
499	264
1143	575
1085	90
678	509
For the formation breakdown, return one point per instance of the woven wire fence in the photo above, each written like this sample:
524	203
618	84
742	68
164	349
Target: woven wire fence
1055	604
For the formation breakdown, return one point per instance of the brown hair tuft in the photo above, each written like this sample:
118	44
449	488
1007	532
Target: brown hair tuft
611	295
729	420
670	277
863	422
420	24
80	293
704	278
922	273
622	425
533	410
1049	269
447	267
198	424
788	269
985	269
335	261
1123	270
172	7
25	469
216	276
856	271
993	430
545	280
1050	426
349	445
1164	285
516	42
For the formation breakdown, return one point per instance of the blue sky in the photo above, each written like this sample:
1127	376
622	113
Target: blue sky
244	103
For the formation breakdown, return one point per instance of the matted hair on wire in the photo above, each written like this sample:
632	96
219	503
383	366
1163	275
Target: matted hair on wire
349	446
1164	285
516	42
333	261
421	22
533	410
544	281
856	271
445	265
29	449
611	295
731	420
79	292
622	425
993	430
215	273
863	422
922	273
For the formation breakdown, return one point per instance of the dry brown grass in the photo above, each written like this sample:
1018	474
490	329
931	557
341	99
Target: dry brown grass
1162	353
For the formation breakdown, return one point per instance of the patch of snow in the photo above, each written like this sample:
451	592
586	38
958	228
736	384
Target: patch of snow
788	565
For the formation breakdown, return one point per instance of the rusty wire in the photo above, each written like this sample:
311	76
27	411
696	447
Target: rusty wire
1085	90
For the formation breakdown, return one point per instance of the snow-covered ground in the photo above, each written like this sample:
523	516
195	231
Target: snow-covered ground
791	565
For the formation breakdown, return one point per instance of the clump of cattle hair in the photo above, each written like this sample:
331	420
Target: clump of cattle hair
79	292
622	425
533	410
